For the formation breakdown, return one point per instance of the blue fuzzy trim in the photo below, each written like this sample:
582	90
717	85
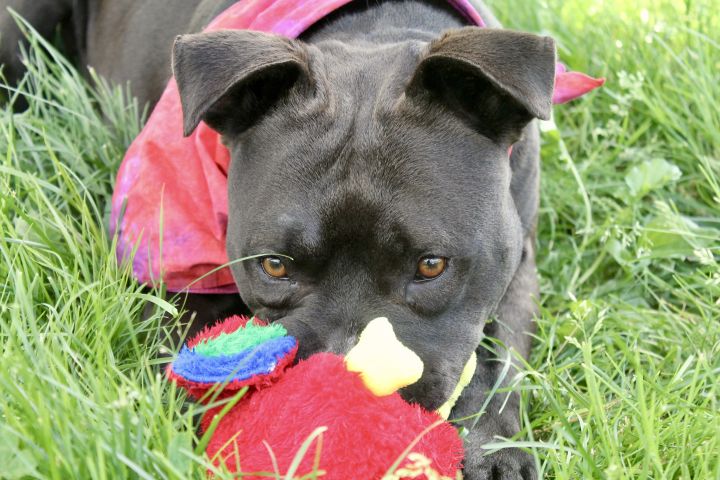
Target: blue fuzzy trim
239	366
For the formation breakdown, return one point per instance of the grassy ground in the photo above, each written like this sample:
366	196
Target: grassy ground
623	381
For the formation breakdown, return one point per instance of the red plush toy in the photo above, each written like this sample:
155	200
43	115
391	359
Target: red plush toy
368	430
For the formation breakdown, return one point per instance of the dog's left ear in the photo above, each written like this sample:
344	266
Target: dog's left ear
494	80
231	78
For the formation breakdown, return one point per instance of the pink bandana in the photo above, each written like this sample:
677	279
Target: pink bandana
170	200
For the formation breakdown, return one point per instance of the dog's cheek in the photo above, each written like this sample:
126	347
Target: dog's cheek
427	299
510	250
240	272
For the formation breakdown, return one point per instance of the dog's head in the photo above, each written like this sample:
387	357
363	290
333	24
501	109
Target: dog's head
382	174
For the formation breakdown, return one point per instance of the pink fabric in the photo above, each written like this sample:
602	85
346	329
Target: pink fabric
170	201
571	85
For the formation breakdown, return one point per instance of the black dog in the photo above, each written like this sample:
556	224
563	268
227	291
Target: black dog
374	152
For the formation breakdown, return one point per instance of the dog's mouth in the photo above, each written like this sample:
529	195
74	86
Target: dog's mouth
431	391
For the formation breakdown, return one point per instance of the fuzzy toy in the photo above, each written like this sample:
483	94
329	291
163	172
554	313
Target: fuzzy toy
368	427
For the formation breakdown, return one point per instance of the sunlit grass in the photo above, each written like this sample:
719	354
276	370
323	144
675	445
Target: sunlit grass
623	381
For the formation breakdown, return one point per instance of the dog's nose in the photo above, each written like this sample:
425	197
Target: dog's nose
309	340
341	343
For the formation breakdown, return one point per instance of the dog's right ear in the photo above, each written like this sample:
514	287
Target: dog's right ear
495	80
230	78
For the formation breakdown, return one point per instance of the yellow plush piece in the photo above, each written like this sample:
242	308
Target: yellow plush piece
465	378
384	363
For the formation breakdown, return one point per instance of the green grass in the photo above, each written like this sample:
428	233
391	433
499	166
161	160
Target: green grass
623	380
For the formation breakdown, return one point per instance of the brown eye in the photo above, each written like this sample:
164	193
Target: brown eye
430	267
274	267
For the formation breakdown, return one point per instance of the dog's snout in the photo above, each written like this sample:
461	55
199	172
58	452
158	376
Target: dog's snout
320	337
341	344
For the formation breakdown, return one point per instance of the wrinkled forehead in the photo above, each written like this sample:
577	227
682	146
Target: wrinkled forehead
364	71
386	154
352	160
390	183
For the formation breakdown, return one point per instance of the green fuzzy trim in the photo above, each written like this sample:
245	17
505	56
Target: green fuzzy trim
241	339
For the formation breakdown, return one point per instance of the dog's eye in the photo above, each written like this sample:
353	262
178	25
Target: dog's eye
274	267
430	267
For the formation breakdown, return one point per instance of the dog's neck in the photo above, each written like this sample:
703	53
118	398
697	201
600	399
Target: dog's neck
389	22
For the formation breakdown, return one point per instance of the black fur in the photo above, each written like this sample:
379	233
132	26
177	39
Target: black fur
378	137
